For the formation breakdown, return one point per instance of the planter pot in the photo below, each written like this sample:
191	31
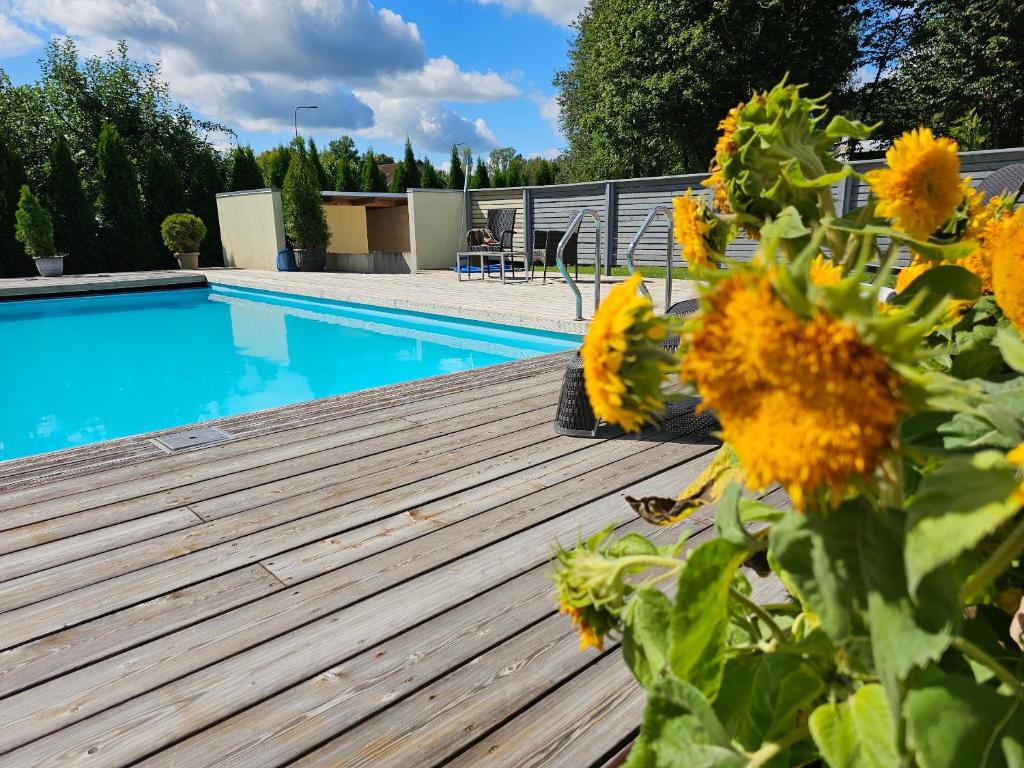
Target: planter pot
188	260
51	266
311	259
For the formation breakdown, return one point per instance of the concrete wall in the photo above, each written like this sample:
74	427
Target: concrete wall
436	228
251	228
387	229
348	228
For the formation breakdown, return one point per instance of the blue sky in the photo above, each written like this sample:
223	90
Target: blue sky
477	71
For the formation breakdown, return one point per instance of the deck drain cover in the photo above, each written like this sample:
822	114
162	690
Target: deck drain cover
192	438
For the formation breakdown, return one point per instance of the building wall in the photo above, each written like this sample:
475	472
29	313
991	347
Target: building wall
348	228
435	227
482	200
387	229
251	228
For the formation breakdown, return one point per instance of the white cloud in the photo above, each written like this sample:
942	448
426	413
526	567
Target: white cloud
549	110
14	40
247	63
557	11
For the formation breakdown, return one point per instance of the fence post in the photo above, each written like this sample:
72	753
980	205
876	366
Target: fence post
527	228
611	227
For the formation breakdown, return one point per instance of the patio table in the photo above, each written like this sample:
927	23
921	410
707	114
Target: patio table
485	268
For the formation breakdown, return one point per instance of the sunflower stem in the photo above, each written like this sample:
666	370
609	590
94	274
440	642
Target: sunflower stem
760	612
773	748
969	649
996	563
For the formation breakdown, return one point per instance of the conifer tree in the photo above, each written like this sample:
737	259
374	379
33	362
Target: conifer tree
204	182
399	179
456	174
123	236
412	170
371	179
345	175
481	179
245	173
14	262
314	159
74	220
163	194
428	176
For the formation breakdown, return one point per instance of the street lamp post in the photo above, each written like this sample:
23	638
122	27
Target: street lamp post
465	184
296	116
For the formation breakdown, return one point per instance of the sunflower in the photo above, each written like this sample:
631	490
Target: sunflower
623	361
911	272
824	272
1004	246
588	637
691	229
920	189
803	403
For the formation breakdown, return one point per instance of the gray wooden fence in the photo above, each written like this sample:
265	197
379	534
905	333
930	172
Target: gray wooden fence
623	204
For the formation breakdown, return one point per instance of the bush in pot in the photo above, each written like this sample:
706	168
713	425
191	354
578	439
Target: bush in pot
304	217
182	234
34	230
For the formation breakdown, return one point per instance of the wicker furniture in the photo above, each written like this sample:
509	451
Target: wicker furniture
545	248
1008	180
574	416
496	239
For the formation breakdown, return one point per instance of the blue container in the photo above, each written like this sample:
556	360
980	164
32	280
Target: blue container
286	261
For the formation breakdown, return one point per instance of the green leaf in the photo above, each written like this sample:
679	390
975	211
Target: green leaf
955	722
937	283
840	128
727	518
700	617
858	732
646	634
788	225
954	508
762	696
934	251
680	729
1011	345
794	174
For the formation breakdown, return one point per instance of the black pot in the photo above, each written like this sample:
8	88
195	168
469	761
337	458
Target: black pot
311	259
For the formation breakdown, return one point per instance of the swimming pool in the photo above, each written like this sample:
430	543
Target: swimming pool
78	370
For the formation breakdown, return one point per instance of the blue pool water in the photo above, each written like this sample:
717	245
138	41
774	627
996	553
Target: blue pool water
78	370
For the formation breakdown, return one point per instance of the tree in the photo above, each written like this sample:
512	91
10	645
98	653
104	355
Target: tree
412	168
274	165
205	180
371	179
343	147
32	226
648	80
515	176
540	171
500	159
456	174
244	172
345	176
74	220
428	176
123	234
13	260
962	55
480	180
314	158
163	194
302	204
399	181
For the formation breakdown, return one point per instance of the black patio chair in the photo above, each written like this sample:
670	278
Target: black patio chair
545	248
496	237
1008	180
575	418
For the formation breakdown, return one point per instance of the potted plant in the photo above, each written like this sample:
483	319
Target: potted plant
304	217
34	230
182	234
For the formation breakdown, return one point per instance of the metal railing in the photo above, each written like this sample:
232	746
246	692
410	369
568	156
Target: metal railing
658	210
571	230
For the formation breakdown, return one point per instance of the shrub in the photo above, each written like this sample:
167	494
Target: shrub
13	260
183	232
32	226
123	234
304	217
74	220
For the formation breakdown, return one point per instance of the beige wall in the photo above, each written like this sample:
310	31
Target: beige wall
435	227
348	228
387	229
482	200
251	228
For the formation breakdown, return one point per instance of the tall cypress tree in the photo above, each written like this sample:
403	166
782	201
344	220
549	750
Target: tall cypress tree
399	179
245	172
314	158
13	260
205	181
412	170
456	174
428	176
74	220
371	179
123	235
345	175
164	195
481	179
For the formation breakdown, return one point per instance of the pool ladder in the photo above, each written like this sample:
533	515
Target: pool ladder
655	212
571	230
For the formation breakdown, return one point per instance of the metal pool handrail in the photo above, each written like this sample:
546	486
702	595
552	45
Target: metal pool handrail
658	210
573	227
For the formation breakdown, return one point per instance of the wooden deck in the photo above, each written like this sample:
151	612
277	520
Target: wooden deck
361	580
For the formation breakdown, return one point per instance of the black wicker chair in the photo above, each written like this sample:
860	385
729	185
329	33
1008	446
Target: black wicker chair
545	248
1008	180
575	418
501	224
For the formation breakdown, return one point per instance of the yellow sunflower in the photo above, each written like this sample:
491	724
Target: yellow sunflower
911	272
588	637
691	228
825	272
1004	246
623	362
803	404
920	189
